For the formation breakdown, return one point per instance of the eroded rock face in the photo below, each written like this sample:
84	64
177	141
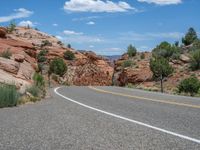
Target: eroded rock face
90	70
25	44
9	65
138	73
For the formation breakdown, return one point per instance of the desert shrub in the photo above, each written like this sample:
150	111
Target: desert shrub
195	60
8	95
60	43
34	90
46	43
142	56
127	63
166	50
68	55
190	37
190	85
39	80
130	85
6	54
195	45
58	66
11	27
41	57
131	51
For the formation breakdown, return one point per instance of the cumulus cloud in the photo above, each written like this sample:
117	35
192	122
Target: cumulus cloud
19	13
162	2
90	23
70	32
27	23
97	6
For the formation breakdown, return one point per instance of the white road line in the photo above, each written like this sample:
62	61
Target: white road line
130	120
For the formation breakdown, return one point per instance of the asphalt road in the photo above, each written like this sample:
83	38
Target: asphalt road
102	118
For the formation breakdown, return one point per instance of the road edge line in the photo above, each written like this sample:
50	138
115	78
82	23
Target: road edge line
127	119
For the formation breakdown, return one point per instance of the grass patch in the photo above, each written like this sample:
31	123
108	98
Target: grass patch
8	95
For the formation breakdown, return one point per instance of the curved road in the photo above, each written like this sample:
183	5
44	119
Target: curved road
103	118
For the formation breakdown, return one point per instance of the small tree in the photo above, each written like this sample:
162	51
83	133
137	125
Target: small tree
58	66
195	60
190	85
69	46
68	55
131	51
161	69
190	37
11	27
166	50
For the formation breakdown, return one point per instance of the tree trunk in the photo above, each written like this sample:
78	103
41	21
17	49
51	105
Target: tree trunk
161	84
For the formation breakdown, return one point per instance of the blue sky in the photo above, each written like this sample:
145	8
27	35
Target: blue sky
106	27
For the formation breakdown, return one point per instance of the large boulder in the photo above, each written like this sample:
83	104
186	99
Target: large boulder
184	58
3	32
136	75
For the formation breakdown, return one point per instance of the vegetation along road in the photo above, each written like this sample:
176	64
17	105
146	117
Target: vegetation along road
103	118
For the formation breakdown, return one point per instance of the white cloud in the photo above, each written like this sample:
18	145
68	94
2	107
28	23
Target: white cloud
86	18
55	24
27	23
90	23
70	32
162	2
91	46
19	13
80	39
150	36
96	6
115	49
59	37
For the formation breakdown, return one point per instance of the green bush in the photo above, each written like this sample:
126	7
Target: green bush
190	37
190	85
34	90
131	51
39	80
6	54
8	95
68	55
166	50
46	43
195	60
142	56
11	27
127	63
41	57
60	43
58	66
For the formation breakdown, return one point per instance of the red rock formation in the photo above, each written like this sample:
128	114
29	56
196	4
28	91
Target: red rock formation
25	44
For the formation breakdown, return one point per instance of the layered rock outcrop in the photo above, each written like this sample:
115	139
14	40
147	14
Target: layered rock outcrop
24	44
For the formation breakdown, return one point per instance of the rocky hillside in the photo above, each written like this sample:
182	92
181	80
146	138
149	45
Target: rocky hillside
18	61
136	71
